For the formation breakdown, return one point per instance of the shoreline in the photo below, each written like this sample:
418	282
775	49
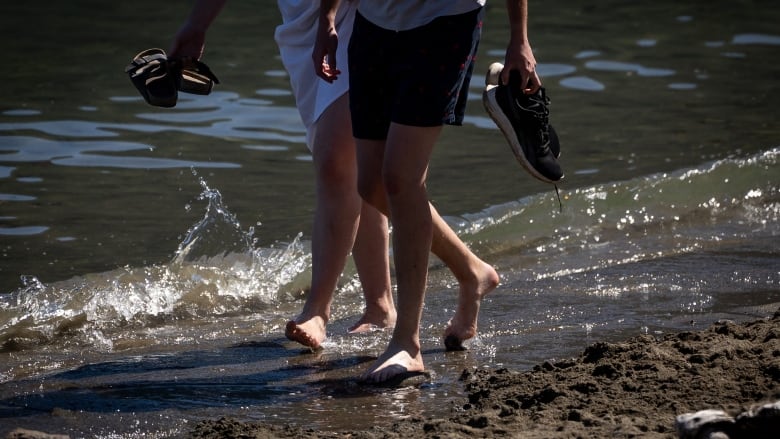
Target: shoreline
628	389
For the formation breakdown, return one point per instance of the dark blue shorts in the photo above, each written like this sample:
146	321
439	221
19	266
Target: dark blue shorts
419	77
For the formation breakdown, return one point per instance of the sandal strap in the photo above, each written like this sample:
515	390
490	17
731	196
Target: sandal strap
146	57
197	66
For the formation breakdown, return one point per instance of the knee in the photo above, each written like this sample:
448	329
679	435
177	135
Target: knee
398	185
366	189
335	174
370	189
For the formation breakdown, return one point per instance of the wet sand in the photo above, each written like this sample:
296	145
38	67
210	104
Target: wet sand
634	388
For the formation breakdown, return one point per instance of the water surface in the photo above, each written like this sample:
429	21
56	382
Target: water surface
150	257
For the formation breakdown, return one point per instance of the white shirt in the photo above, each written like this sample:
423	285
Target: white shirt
399	15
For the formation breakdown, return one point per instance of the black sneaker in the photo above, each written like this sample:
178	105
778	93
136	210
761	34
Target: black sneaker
523	120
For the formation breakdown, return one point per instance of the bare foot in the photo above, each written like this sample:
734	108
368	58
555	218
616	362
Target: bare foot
463	325
395	361
374	320
310	333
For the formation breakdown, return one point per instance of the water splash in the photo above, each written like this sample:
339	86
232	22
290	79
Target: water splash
218	233
218	270
218	251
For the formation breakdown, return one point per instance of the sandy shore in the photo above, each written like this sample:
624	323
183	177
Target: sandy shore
631	389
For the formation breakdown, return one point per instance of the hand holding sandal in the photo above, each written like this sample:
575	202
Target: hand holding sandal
159	79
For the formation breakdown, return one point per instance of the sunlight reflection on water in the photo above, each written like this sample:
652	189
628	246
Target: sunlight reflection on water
646	249
77	153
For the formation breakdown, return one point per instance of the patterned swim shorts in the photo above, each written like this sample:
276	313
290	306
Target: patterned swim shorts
418	77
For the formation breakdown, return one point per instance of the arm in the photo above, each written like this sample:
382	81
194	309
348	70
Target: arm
519	55
191	37
324	53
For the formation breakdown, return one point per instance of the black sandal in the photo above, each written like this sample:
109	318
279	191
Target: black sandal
196	77
159	79
151	74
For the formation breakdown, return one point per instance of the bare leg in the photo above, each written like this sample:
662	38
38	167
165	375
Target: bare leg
335	226
476	278
402	163
372	261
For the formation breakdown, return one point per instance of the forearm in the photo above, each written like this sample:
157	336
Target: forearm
328	10
518	20
327	41
519	55
204	12
191	37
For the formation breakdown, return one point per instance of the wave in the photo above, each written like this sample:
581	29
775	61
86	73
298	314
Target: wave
217	270
654	215
220	271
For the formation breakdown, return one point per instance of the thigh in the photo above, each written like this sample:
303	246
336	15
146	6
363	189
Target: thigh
333	147
370	155
407	153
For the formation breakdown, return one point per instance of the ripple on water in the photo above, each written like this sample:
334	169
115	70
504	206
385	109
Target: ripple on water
617	66
587	54
547	70
23	231
773	40
266	148
582	83
682	86
29	179
82	153
16	197
21	112
273	92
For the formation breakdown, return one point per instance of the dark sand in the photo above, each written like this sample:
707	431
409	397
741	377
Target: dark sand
630	389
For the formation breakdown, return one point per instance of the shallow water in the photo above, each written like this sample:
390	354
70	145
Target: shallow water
150	257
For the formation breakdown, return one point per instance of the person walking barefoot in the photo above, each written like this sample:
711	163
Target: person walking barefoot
410	64
342	222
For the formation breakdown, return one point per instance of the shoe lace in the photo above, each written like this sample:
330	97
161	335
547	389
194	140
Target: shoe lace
537	106
560	203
